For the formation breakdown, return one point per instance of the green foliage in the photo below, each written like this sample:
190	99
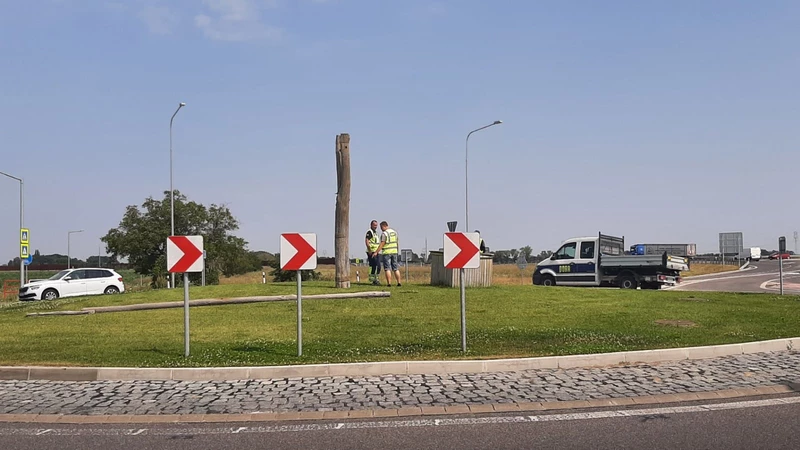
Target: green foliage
142	234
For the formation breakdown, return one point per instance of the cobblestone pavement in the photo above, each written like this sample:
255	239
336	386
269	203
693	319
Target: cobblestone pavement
385	392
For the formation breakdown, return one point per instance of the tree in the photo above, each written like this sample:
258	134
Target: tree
141	237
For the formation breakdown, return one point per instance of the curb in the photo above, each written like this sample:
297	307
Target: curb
399	412
392	367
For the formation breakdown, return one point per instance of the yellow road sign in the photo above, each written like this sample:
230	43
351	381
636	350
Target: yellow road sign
24	236
24	251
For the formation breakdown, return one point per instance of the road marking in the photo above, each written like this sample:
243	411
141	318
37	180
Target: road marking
344	426
138	432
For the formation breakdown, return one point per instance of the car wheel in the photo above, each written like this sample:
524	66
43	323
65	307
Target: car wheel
50	294
548	280
627	282
111	290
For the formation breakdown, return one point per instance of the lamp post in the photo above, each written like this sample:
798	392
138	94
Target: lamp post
171	191
69	234
466	172
21	223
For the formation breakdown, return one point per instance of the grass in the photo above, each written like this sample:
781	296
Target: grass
417	322
708	269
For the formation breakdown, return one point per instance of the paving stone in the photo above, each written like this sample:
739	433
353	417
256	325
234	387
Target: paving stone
394	393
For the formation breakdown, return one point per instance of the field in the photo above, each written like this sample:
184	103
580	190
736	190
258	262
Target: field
416	322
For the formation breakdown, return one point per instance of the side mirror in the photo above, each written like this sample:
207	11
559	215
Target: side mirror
67	278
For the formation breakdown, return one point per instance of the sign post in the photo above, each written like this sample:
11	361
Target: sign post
406	253
522	264
185	255
299	252
462	251
781	251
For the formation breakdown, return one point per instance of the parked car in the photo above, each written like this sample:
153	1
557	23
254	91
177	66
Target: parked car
781	256
73	283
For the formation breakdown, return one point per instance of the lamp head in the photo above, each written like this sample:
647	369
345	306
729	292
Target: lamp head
182	104
497	122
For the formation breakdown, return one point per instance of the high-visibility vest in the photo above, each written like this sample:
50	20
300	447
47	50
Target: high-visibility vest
390	247
375	242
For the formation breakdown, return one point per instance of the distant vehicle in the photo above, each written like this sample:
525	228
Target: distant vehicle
658	249
751	254
73	283
776	255
600	261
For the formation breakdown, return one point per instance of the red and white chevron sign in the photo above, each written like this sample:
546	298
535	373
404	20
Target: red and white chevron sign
462	250
298	251
185	254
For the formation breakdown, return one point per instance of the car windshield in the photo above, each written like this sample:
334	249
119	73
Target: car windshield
59	275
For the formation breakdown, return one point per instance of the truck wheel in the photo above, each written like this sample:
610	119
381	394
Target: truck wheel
548	280
627	282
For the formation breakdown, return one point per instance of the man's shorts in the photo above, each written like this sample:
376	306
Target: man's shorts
389	261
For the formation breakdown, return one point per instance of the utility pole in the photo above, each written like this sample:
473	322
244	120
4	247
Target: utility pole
342	220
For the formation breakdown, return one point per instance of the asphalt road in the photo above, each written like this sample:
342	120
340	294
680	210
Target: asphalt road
766	423
762	277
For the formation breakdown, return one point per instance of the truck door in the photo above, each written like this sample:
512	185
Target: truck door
565	260
584	270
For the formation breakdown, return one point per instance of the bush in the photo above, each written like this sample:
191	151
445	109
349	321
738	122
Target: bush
279	275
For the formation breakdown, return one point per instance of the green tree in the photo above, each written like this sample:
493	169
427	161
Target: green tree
141	237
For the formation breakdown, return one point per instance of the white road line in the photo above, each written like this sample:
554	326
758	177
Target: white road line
417	423
138	432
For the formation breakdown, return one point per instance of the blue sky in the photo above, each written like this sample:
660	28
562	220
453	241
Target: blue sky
659	121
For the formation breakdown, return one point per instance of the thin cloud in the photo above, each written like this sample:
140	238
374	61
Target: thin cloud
236	21
158	19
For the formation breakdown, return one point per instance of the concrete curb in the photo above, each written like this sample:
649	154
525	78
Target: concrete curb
399	412
392	367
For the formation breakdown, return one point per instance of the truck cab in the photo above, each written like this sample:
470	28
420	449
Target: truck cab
601	261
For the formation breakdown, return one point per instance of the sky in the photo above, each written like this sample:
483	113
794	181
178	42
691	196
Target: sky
658	121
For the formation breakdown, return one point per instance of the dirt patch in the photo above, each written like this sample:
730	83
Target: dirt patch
694	299
676	323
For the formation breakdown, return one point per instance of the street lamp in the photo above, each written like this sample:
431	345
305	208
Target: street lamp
21	226
171	191
69	233
466	172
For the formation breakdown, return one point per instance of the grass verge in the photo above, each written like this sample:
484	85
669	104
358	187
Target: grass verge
417	322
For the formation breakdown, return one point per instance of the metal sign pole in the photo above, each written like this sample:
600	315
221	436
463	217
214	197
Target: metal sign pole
463	310
185	314
299	316
780	259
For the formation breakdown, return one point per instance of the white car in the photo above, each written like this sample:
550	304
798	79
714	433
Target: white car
73	283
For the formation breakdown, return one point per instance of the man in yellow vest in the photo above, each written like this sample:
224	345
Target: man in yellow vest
388	250
373	241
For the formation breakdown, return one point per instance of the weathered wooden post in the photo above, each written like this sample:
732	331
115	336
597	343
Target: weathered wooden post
342	226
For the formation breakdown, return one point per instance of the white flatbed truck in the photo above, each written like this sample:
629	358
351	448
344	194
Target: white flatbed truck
601	261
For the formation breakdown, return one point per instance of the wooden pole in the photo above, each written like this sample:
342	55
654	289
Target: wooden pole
342	226
210	302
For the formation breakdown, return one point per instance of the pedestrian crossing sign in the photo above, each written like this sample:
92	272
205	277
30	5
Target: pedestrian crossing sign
23	251
23	236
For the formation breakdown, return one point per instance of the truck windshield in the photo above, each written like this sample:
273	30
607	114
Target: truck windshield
566	252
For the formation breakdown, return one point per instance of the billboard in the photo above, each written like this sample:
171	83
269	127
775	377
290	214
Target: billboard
731	244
